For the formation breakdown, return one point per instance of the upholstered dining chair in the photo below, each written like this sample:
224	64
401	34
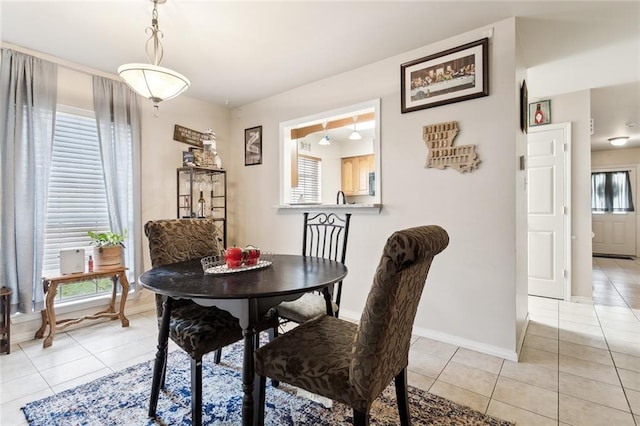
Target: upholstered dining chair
352	363
196	329
324	235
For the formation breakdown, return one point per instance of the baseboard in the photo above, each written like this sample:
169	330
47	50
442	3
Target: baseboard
522	336
28	334
467	344
352	316
582	299
614	256
447	338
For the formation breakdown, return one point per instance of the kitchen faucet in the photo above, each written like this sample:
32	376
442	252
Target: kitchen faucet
344	201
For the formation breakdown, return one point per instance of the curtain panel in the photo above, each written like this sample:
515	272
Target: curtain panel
611	192
28	91
117	111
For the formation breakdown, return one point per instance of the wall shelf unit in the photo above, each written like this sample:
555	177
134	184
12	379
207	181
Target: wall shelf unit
210	185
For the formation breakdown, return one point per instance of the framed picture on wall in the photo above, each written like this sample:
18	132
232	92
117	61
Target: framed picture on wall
540	113
453	75
188	159
253	146
523	107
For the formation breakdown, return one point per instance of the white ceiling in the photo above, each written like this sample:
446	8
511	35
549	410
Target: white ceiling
236	52
616	112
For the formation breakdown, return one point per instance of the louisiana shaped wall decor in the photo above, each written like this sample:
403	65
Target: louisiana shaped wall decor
442	154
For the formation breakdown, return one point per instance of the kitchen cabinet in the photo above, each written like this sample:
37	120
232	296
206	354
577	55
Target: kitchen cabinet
355	174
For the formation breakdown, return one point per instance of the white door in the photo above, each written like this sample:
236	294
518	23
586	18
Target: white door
615	233
548	197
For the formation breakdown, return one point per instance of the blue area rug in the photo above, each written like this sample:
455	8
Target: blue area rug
122	398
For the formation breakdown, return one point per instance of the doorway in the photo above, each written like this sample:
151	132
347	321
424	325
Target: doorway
615	237
613	216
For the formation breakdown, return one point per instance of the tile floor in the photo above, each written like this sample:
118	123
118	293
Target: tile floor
580	364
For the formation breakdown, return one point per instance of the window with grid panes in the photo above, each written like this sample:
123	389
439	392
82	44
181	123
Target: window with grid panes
77	201
309	178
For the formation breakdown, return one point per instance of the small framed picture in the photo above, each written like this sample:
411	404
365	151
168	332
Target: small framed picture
253	146
540	113
188	159
198	156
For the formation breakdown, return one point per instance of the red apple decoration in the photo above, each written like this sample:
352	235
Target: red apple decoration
233	256
253	255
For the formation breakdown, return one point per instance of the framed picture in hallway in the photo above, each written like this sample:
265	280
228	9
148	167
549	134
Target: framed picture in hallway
454	75
253	146
540	113
524	94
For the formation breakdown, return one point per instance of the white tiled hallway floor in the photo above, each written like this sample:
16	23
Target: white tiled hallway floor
580	364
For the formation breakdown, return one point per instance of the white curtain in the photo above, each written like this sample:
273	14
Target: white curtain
611	192
117	111
28	89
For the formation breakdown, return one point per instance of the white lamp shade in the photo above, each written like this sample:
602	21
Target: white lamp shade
153	82
355	136
619	141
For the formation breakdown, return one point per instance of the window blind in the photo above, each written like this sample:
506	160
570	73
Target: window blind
309	178
77	199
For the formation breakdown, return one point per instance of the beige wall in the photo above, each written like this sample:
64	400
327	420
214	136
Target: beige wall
472	289
590	68
615	157
522	274
161	155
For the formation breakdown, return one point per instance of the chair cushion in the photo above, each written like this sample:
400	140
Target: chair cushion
307	307
314	356
199	330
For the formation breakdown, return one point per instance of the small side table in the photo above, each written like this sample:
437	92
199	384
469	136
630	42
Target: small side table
5	325
51	288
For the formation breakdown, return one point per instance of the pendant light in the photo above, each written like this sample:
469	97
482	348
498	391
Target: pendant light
325	139
355	135
152	81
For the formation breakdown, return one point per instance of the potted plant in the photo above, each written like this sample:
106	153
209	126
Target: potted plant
107	249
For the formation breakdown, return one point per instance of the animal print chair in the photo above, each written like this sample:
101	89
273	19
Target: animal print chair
196	329
354	363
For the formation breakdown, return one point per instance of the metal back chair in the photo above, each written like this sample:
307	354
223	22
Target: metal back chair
325	235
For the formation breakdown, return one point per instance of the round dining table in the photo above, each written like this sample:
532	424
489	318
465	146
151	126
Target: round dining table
247	295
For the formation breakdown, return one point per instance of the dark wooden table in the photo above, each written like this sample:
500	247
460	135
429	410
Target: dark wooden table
247	295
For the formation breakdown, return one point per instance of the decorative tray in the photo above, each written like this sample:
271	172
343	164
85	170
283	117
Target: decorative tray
223	269
215	265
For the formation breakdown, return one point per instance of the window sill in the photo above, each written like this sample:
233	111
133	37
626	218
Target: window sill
375	208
